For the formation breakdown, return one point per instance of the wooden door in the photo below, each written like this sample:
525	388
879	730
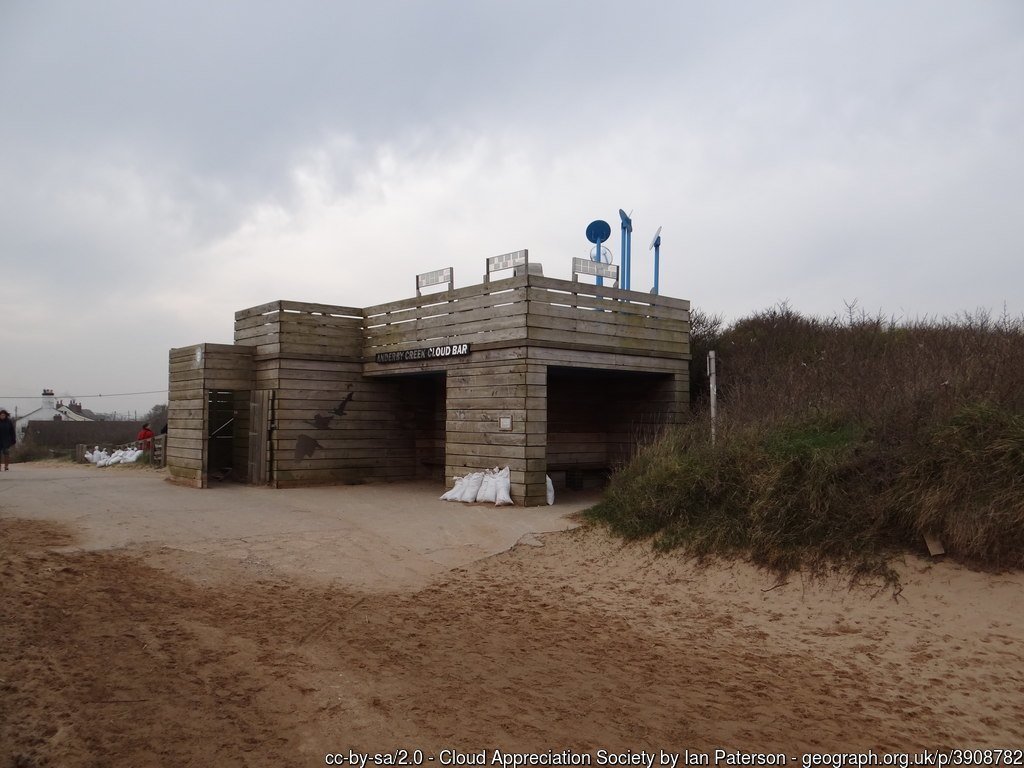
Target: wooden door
260	418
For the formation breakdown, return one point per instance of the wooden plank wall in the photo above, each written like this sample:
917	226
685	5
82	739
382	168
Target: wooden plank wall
620	363
334	426
193	371
300	329
485	316
583	317
331	425
535	489
496	383
186	415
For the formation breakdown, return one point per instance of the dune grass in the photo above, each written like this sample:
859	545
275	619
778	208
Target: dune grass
841	443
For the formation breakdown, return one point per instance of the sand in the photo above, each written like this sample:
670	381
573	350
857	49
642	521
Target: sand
143	653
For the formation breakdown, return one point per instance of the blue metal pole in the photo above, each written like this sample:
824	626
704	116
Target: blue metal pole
597	258
657	259
629	259
624	261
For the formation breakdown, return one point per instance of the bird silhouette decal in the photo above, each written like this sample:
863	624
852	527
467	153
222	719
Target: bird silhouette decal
305	447
321	421
340	410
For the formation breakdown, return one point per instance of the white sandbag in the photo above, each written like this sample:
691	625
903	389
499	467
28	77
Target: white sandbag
502	484
551	491
488	488
471	487
455	492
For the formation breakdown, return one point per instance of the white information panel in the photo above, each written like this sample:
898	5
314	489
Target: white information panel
446	275
595	268
507	261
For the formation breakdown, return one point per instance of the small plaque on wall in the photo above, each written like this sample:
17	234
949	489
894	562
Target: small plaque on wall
505	423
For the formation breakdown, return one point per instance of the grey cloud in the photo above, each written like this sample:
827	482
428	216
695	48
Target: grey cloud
810	151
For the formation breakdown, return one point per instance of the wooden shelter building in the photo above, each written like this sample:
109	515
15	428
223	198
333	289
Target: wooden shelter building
538	374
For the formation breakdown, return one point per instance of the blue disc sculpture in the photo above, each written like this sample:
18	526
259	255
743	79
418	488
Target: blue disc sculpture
597	232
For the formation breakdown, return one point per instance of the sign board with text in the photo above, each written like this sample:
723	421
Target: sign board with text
423	353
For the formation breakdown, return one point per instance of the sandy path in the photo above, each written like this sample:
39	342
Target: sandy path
371	536
110	658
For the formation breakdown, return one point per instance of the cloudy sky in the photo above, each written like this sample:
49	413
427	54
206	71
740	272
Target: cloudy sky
165	164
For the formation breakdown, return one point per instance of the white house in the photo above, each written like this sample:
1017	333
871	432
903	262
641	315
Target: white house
50	410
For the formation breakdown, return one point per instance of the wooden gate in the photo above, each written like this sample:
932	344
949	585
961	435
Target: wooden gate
159	456
260	418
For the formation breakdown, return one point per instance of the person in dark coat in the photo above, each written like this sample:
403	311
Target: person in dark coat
7	437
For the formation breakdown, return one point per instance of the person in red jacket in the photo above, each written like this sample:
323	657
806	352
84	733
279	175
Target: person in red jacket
145	437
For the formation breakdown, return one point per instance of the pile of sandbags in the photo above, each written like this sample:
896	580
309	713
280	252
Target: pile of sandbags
488	487
491	487
121	456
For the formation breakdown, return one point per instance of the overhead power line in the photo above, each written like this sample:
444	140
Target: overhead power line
108	394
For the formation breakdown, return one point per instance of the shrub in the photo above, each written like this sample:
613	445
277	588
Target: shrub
843	440
26	451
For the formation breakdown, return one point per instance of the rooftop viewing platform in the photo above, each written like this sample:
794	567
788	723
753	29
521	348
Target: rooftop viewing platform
525	309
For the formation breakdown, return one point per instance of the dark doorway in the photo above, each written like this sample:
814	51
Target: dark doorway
424	395
597	418
227	441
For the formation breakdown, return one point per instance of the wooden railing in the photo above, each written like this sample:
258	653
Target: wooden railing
480	315
515	311
573	315
309	330
531	308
